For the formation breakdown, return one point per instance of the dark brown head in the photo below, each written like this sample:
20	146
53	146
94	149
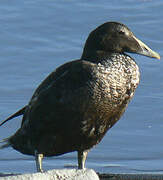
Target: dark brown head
115	37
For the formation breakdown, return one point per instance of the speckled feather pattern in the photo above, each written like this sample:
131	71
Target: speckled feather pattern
92	95
74	107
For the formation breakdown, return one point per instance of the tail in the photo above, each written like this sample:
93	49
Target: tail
18	113
6	143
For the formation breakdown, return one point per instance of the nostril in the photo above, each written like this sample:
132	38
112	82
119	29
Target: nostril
145	48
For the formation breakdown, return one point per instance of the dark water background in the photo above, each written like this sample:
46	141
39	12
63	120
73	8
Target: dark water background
38	36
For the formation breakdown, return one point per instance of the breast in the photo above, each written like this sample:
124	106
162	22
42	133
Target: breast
90	98
116	81
112	87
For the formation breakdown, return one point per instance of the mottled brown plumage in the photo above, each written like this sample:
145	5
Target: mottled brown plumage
76	104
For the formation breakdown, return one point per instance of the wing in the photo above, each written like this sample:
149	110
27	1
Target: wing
50	79
59	98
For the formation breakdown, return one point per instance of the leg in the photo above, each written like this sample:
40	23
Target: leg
38	158
82	155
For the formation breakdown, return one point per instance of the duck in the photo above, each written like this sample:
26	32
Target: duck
75	106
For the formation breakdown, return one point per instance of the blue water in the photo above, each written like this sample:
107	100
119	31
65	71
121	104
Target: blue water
38	36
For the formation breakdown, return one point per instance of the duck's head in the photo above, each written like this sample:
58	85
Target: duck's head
117	38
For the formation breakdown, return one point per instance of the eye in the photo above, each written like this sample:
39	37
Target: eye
122	32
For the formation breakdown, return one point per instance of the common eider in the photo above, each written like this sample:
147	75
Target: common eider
81	100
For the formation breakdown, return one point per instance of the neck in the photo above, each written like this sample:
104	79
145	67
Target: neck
96	56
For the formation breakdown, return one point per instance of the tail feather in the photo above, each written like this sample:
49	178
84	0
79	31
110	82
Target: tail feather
6	143
4	140
18	113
